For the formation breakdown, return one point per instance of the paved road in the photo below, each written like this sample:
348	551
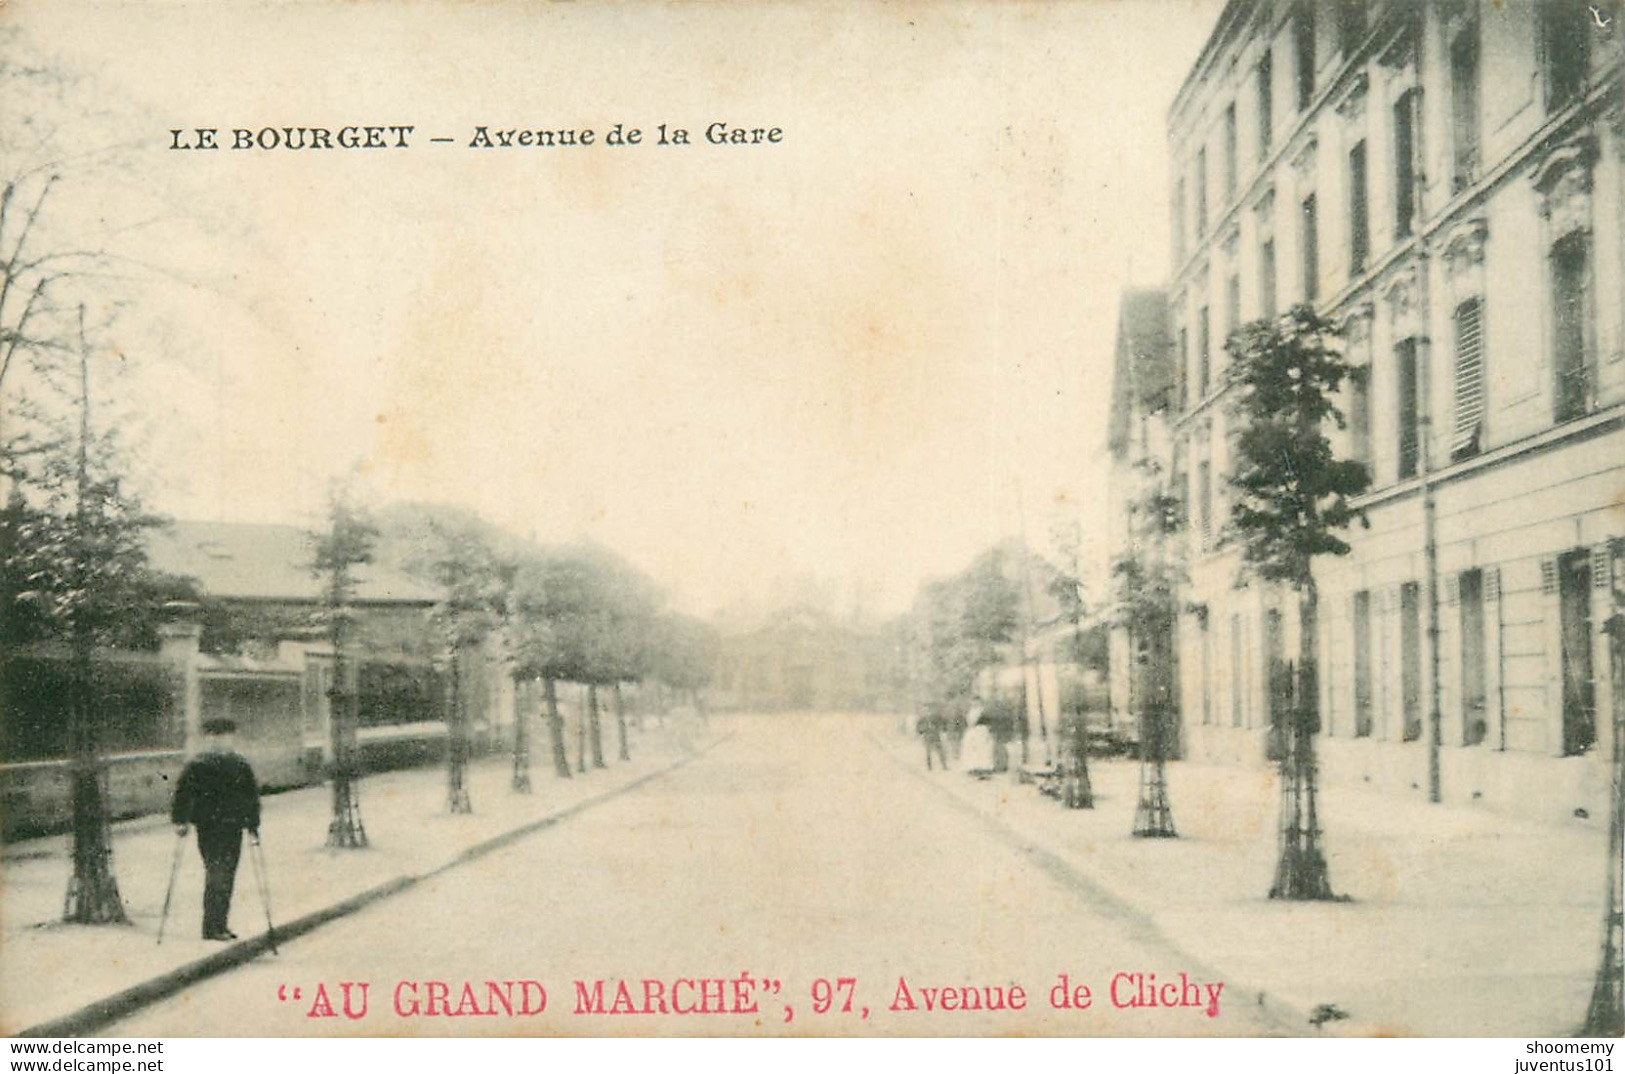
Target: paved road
795	851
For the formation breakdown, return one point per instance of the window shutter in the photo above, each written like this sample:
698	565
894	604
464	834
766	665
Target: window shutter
1464	440
1599	567
1548	576
1452	589
1492	583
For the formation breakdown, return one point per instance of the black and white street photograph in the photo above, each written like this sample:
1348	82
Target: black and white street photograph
851	519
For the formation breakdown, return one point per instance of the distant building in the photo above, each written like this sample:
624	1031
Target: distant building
805	659
1445	179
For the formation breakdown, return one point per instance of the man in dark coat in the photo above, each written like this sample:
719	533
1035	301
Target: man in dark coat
930	729
218	794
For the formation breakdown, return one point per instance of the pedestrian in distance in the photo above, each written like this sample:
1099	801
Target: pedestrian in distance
930	731
218	795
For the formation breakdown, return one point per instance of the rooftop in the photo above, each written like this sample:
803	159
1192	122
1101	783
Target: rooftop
1144	373
255	561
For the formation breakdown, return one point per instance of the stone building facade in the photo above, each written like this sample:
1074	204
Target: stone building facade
1445	180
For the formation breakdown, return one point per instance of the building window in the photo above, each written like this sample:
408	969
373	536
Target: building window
1474	695
1266	280
1409	443
1467	436
1179	221
1201	192
1410	658
1182	380
1232	307
1204	343
1566	29
1362	664
1571	325
1230	153
1266	105
1360	415
1179	484
1406	116
1574	615
1204	501
1350	25
1309	244
1303	44
1464	78
1359	212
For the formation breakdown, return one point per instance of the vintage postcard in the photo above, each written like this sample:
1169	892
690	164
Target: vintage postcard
946	519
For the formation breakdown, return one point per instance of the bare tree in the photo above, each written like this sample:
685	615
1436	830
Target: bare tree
74	561
1066	586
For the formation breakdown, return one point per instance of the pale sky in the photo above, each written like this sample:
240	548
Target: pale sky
845	356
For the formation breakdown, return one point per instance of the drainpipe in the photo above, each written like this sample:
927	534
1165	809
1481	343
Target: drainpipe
1430	569
1424	387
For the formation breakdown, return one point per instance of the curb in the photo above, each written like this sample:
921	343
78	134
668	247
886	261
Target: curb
105	1011
1283	1011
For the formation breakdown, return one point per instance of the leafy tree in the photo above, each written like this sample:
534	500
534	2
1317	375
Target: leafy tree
627	628
73	566
1292	502
1146	582
554	596
345	545
478	564
963	625
682	655
478	586
615	628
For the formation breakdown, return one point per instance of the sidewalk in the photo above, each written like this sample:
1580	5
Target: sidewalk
1463	922
50	971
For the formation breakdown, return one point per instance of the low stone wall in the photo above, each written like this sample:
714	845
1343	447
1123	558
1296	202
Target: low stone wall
34	796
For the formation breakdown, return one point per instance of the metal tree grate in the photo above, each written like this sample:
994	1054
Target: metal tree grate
1153	819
